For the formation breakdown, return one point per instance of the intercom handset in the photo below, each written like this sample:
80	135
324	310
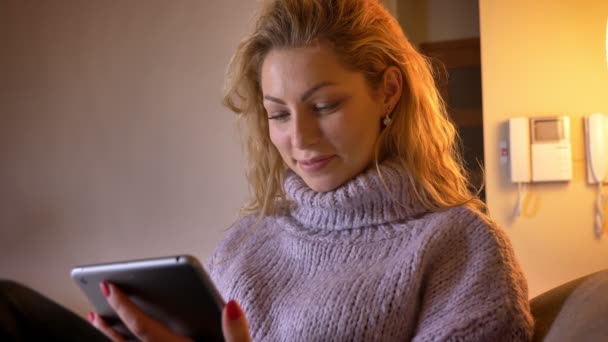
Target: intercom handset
596	139
596	135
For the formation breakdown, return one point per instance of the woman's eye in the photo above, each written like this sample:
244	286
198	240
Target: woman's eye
326	108
281	116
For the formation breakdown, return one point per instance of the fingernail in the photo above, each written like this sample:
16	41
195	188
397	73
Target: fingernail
233	311
91	317
105	289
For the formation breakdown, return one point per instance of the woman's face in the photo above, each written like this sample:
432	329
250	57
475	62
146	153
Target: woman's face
323	119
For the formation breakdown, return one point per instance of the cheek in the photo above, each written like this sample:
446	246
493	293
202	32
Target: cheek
356	138
280	139
356	130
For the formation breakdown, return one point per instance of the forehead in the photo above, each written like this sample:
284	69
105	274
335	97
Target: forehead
293	70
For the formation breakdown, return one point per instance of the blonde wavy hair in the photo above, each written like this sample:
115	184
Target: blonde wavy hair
368	39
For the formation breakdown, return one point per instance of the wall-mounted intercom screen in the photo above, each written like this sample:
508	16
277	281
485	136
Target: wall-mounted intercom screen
547	130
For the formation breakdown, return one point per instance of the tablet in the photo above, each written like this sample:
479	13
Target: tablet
175	290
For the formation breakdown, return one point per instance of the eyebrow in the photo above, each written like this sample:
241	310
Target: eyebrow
305	96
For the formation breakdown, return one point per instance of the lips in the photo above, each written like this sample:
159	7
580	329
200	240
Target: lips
314	160
315	164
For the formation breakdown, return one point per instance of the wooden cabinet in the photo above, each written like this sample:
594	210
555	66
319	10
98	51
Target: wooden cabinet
457	66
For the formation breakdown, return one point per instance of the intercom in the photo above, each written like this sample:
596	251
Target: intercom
596	138
540	149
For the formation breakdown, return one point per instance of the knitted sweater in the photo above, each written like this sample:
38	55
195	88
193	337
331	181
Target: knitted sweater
360	264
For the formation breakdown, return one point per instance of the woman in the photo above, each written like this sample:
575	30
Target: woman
360	224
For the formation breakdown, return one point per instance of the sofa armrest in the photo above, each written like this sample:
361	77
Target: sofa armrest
574	311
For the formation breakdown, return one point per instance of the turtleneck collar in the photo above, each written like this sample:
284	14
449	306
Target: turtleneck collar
361	202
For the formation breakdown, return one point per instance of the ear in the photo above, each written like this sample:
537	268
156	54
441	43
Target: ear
392	86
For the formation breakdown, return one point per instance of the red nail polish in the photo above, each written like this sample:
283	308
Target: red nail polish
91	317
233	311
105	289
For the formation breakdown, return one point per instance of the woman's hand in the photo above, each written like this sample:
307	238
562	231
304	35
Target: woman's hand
147	329
234	323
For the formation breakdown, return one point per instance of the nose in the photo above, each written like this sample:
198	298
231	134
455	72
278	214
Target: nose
306	130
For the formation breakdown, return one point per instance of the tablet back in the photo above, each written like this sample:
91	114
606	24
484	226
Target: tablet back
175	290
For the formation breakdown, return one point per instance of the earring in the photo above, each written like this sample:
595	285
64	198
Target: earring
387	120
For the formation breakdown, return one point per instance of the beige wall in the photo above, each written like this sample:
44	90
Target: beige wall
545	57
113	141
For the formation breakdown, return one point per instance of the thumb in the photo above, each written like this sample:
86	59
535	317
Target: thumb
234	323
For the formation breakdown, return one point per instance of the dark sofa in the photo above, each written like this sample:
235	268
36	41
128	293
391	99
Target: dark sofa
575	311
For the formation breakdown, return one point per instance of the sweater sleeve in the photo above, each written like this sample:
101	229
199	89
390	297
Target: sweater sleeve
472	287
